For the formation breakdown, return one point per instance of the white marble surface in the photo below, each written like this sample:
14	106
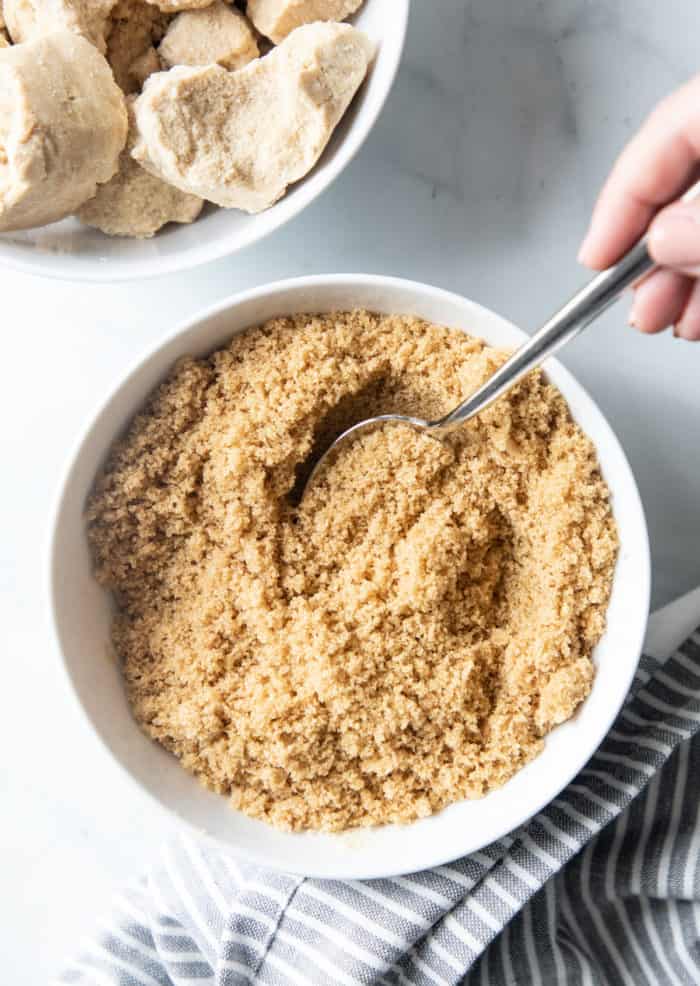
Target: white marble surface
478	178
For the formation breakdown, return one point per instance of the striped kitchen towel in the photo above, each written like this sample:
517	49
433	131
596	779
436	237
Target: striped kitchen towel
602	887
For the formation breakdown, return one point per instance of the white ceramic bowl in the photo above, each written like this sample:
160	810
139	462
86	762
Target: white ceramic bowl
82	610
70	250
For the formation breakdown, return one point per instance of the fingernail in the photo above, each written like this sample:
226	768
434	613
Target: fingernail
584	248
633	317
690	333
674	239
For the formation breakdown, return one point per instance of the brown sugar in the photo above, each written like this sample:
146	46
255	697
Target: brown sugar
403	638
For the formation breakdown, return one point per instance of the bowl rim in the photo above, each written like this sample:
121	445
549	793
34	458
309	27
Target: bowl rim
431	857
100	272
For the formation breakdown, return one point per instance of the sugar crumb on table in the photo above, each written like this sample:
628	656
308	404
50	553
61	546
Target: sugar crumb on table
408	634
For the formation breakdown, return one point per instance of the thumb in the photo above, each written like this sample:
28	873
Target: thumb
674	237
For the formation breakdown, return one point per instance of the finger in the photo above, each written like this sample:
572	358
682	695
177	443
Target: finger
660	301
689	324
674	237
654	168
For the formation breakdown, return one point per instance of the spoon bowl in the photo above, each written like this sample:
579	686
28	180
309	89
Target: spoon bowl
368	424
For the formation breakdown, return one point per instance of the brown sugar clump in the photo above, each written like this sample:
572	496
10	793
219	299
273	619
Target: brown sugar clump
408	634
134	202
135	28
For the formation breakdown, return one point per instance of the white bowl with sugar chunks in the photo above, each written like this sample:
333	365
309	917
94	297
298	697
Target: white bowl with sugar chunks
138	117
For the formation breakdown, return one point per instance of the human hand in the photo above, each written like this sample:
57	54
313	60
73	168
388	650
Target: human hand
655	168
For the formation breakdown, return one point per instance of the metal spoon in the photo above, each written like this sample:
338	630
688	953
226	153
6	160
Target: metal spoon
585	306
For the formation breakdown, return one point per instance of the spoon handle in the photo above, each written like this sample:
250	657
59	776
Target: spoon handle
585	306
